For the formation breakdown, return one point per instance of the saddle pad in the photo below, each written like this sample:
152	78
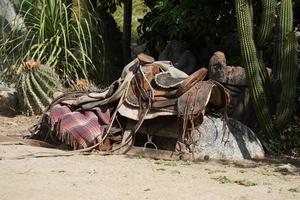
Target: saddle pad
107	92
166	80
168	67
97	96
145	59
79	129
123	87
133	113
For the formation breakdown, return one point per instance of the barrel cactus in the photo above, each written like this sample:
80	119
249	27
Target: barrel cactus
36	85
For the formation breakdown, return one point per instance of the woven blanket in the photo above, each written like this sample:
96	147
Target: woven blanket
78	129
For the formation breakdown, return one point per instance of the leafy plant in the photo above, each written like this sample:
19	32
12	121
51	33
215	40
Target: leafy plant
56	35
223	180
139	9
188	20
108	5
275	146
243	182
297	190
289	142
291	137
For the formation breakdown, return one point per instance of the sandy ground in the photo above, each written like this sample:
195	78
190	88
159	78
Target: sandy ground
39	173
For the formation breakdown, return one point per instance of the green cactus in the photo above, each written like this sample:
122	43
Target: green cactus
285	70
255	70
287	66
267	21
35	87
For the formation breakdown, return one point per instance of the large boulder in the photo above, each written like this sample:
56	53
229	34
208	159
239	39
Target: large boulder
216	139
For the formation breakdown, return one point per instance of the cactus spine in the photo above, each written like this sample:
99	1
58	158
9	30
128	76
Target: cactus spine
253	60
36	86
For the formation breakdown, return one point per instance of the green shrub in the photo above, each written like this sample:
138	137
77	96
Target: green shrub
57	35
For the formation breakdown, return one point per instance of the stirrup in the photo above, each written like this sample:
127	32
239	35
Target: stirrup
149	137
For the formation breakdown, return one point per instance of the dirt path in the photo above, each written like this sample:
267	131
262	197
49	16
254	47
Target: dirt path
26	174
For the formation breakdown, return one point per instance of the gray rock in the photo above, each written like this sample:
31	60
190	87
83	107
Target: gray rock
221	72
235	141
8	100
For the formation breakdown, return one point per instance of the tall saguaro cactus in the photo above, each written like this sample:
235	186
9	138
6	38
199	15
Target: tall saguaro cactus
287	66
253	60
267	21
254	70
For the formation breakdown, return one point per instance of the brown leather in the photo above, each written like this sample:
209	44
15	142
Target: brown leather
144	86
189	82
162	102
185	85
189	100
195	99
145	59
204	93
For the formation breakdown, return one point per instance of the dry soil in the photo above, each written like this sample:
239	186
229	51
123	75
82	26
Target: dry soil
39	173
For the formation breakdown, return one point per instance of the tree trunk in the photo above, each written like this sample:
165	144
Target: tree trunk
127	31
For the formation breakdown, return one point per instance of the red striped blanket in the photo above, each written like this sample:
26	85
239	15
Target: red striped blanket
79	129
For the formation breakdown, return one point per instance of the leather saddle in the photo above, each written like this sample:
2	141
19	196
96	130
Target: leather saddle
160	93
154	92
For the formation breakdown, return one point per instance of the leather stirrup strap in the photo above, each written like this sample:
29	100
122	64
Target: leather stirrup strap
189	82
